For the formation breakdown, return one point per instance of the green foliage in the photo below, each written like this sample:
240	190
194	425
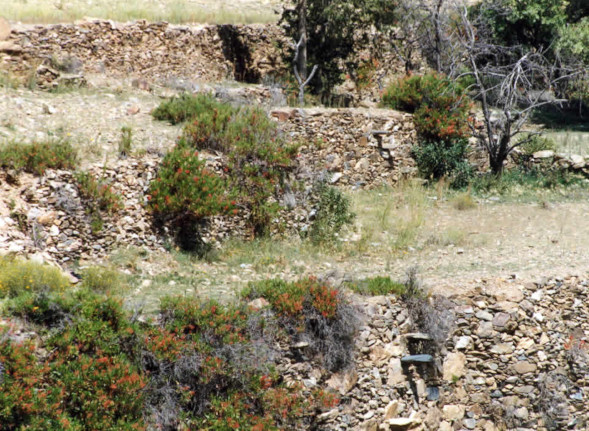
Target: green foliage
532	23
38	156
202	365
125	141
530	178
185	107
333	29
98	194
436	160
185	188
535	143
100	279
257	158
440	107
333	213
573	41
376	286
19	276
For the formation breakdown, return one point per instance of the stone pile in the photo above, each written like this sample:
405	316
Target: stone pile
156	52
573	162
517	361
342	144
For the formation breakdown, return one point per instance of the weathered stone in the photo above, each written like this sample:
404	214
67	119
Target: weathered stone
4	29
343	382
453	412
501	319
523	367
454	366
545	154
502	348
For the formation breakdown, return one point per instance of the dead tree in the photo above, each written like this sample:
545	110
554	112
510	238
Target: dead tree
510	83
298	75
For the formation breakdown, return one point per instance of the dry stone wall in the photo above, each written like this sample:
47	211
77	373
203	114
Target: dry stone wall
148	51
351	147
513	362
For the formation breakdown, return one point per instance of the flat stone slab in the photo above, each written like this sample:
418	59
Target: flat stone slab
421	359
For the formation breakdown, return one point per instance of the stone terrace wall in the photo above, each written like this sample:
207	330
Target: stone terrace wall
156	51
339	143
513	362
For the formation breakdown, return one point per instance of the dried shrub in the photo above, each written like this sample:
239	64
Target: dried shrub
314	313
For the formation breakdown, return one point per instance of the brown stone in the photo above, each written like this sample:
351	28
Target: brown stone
524	367
4	29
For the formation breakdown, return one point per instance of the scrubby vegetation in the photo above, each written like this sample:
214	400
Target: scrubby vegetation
333	213
201	364
37	157
440	110
256	161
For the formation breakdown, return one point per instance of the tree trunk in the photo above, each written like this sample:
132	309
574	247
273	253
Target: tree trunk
302	59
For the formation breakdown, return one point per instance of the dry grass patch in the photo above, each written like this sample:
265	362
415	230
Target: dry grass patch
174	11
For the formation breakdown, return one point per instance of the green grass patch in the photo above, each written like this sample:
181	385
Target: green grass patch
377	286
37	157
19	276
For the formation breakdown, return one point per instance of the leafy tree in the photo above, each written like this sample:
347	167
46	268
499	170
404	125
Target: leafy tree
329	31
532	23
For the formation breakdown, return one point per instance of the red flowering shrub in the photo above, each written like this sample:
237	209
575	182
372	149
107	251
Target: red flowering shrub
257	158
185	188
100	193
440	106
314	312
440	110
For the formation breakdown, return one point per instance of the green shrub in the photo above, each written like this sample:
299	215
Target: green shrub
184	187
185	192
441	159
440	106
98	194
100	279
333	213
185	107
19	276
376	286
126	141
37	157
532	178
201	366
257	158
535	143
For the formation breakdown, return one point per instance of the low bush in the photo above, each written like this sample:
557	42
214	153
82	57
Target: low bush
376	286
313	312
534	143
520	177
444	159
185	192
100	279
200	366
184	107
257	158
98	194
440	107
20	276
333	213
37	157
